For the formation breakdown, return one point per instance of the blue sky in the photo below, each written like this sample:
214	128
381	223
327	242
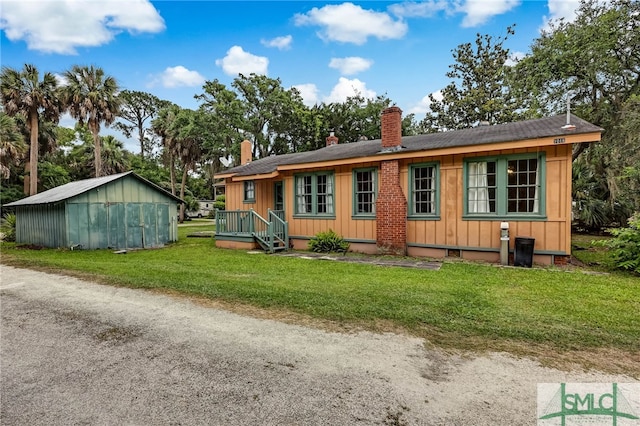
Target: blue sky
328	50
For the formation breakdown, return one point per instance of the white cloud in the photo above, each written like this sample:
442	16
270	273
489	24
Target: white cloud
476	12
514	58
560	9
350	65
238	61
309	93
346	88
349	23
425	9
282	43
178	76
63	26
61	79
424	105
480	11
67	121
563	9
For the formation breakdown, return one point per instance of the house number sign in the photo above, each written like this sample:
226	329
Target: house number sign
559	140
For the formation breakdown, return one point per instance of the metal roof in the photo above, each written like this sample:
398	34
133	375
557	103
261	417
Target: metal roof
71	189
509	132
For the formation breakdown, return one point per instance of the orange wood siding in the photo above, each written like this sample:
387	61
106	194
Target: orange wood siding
450	230
234	198
343	224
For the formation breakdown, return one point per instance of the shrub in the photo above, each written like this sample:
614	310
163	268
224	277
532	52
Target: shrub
8	227
625	245
219	203
191	204
10	193
327	242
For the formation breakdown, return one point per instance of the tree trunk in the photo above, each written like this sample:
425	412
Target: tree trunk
97	148
172	173
184	183
578	149
141	137
27	177
33	154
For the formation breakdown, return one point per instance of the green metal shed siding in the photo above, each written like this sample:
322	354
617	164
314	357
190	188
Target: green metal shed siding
116	224
125	190
125	213
42	225
118	211
88	225
121	225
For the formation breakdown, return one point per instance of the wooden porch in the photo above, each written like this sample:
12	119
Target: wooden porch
247	226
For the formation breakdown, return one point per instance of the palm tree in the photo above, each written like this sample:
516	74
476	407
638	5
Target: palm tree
12	146
113	158
47	136
161	126
187	132
81	158
91	97
80	161
23	93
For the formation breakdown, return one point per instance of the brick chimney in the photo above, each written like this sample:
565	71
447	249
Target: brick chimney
391	211
332	139
245	152
391	128
391	203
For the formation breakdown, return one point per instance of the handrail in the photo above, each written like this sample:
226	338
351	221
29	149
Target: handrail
233	222
262	230
280	226
271	233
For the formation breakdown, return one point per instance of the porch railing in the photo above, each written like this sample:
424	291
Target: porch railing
271	233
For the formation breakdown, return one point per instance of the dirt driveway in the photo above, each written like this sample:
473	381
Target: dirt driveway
75	352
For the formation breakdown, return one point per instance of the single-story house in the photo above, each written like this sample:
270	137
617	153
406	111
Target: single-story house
120	211
432	195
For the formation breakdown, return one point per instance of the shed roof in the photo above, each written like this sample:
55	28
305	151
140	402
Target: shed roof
71	189
509	132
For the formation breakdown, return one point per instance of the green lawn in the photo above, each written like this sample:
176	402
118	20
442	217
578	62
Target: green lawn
593	255
541	311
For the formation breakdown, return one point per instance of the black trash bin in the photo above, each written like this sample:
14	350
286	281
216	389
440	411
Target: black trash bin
523	253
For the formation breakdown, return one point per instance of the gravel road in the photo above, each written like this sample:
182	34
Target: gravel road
76	352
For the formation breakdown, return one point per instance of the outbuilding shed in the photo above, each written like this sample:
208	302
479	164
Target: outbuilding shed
120	211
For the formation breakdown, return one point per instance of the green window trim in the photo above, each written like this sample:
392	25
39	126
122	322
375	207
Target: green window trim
314	195
424	191
507	177
249	191
365	192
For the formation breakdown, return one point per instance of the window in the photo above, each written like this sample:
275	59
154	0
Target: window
314	194
505	186
424	184
481	186
364	192
278	196
523	186
249	191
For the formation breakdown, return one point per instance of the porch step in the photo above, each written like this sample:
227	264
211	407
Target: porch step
271	235
278	245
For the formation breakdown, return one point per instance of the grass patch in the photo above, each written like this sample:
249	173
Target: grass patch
463	305
595	256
